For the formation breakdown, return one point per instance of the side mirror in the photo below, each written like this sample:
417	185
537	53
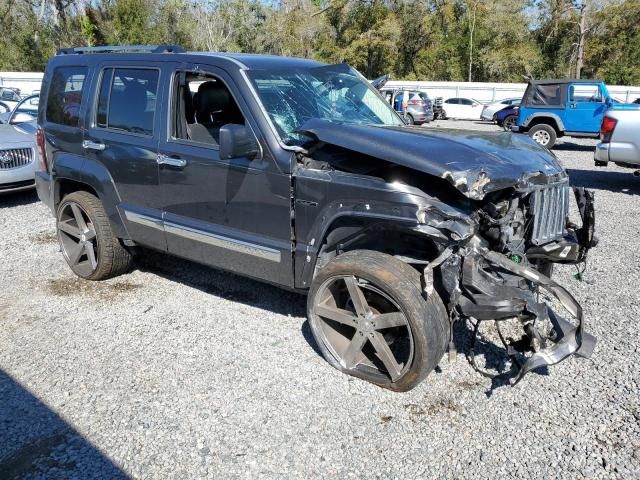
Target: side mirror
21	117
236	141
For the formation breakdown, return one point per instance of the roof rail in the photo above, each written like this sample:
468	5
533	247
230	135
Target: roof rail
122	48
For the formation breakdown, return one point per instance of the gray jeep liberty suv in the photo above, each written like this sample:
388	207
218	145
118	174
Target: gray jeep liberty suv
299	174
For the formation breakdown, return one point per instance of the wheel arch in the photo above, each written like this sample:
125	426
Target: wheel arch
94	178
550	119
348	231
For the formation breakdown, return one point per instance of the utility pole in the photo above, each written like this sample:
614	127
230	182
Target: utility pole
582	36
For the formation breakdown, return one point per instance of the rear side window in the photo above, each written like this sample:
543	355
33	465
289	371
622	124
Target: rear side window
65	95
127	100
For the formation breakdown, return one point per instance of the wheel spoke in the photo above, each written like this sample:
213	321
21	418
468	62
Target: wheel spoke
75	253
388	320
353	351
91	254
336	314
90	234
357	297
385	355
69	229
77	214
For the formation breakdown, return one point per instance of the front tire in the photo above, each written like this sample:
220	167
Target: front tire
544	135
88	244
370	319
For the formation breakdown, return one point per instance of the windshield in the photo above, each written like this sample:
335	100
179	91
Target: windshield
335	92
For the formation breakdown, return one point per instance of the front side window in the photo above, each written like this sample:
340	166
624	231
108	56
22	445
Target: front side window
336	93
127	100
202	105
585	93
65	95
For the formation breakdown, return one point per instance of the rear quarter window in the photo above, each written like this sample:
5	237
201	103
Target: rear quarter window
65	95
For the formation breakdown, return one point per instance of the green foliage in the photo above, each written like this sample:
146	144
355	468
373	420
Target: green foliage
504	40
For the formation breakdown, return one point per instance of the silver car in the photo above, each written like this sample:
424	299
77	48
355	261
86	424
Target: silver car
619	138
18	148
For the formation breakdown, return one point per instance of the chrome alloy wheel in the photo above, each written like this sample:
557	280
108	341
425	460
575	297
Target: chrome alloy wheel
364	328
77	238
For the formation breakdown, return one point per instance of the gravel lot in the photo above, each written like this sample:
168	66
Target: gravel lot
178	371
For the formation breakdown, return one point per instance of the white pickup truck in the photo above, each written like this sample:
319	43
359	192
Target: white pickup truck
620	138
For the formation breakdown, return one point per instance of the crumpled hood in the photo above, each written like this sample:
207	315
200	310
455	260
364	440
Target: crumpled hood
476	163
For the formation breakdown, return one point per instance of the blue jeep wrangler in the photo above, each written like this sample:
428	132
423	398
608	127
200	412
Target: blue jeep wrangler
557	108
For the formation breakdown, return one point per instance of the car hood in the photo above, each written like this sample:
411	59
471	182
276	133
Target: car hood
22	133
476	163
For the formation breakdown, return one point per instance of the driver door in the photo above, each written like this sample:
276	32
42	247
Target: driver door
230	213
585	108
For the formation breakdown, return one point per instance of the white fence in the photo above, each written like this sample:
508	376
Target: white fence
26	82
29	82
488	92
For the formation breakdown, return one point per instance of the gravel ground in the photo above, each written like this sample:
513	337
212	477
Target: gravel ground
178	371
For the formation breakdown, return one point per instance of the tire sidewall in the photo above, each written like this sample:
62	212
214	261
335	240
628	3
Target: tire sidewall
412	304
547	128
89	210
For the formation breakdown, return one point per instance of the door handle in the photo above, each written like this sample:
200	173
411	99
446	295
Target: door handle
171	161
89	145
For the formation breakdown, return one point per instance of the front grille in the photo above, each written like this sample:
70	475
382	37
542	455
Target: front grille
15	157
549	210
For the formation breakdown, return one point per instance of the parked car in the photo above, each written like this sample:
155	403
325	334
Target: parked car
555	108
619	138
17	151
637	100
9	97
419	108
463	108
29	106
490	111
507	117
299	174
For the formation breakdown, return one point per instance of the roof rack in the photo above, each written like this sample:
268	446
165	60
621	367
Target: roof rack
122	48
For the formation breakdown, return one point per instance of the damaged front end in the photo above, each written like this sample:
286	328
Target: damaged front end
496	209
497	270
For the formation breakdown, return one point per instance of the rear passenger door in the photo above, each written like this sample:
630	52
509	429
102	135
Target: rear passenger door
452	107
123	137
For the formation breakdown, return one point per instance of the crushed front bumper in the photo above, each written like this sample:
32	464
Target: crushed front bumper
568	339
489	285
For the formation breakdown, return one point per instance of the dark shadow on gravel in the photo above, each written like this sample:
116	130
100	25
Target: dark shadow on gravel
603	179
36	443
9	200
308	336
222	284
491	357
574	147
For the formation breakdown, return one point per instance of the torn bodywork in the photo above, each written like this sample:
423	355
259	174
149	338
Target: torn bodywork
491	240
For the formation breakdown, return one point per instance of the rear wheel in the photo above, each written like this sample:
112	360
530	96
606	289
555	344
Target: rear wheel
88	244
409	119
544	135
509	122
370	319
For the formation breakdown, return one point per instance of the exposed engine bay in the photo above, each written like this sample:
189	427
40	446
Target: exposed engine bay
492	241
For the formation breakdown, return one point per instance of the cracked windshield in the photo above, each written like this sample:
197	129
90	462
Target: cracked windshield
335	93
